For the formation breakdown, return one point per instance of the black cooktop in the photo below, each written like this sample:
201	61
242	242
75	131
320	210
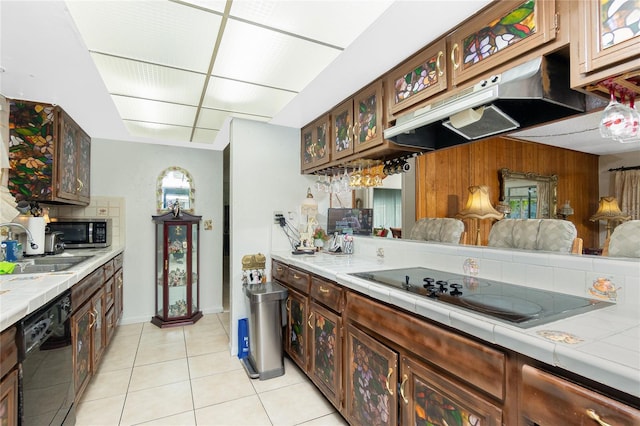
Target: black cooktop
517	305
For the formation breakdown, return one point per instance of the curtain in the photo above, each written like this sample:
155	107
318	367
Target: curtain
627	188
542	211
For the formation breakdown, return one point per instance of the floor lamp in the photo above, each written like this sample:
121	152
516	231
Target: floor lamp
609	210
479	207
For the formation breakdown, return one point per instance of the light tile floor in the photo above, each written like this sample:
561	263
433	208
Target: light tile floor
186	376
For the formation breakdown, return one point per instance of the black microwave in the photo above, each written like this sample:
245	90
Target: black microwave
83	232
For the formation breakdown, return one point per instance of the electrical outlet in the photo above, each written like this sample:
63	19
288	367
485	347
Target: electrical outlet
208	224
277	216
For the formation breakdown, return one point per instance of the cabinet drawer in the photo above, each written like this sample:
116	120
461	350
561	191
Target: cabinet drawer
82	291
327	293
473	362
299	280
551	400
110	288
118	261
8	351
108	269
279	271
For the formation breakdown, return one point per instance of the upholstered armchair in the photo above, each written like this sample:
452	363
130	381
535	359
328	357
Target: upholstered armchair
440	229
624	240
536	234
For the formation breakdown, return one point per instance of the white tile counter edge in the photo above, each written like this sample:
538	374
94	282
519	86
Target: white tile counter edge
616	367
28	292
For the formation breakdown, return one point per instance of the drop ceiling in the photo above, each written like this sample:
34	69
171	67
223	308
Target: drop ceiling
174	71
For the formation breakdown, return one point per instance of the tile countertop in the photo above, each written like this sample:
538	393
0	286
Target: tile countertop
24	293
602	345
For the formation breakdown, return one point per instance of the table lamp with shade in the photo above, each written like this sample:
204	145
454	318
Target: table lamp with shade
609	210
479	207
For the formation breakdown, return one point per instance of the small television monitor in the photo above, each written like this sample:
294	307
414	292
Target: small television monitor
350	221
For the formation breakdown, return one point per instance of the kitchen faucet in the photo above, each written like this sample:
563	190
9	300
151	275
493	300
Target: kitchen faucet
29	236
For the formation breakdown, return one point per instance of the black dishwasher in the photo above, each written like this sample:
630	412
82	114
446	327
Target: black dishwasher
46	382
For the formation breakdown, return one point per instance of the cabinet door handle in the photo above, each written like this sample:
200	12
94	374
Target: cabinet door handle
324	290
288	304
80	185
593	415
309	321
388	379
92	321
454	49
438	64
404	380
119	282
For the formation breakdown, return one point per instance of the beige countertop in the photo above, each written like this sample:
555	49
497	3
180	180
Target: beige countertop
601	345
22	294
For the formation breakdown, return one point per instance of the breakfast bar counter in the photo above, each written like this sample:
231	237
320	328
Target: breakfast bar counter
602	345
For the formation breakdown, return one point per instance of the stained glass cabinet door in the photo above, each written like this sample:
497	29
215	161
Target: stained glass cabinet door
177	277
501	33
428	398
342	130
608	32
367	110
371	394
326	352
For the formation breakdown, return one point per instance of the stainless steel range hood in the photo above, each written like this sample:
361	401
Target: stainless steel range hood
533	93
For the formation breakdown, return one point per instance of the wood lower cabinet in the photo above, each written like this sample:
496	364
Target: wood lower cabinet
427	397
296	340
549	400
370	383
325	352
88	337
8	378
97	306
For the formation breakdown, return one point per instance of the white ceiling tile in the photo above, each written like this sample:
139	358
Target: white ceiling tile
158	131
246	98
154	111
204	135
251	53
337	23
143	80
214	119
160	32
216	5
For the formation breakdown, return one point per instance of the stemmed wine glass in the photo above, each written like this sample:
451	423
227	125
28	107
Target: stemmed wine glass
613	122
633	128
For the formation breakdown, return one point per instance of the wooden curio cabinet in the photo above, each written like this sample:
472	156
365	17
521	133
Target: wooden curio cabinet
297	331
315	143
504	31
428	397
177	274
371	370
50	155
420	77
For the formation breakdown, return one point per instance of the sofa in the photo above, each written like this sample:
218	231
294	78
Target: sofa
440	229
554	235
624	240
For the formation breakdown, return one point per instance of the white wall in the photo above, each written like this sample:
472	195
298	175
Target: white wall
264	177
130	170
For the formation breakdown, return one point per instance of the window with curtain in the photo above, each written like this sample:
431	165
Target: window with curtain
627	188
387	207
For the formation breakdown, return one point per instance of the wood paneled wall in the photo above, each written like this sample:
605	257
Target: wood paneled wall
443	178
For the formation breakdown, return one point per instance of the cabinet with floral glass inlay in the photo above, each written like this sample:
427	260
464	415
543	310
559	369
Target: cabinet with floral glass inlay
356	124
8	378
325	351
418	78
50	155
606	41
315	143
502	32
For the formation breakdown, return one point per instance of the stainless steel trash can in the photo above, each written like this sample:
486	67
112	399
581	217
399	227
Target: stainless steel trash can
266	358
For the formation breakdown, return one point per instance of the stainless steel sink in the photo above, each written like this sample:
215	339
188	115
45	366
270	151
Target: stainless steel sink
37	265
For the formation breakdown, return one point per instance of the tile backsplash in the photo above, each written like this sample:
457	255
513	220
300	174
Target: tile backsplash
100	207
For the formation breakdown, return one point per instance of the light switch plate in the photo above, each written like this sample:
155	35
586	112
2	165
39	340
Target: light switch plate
208	224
